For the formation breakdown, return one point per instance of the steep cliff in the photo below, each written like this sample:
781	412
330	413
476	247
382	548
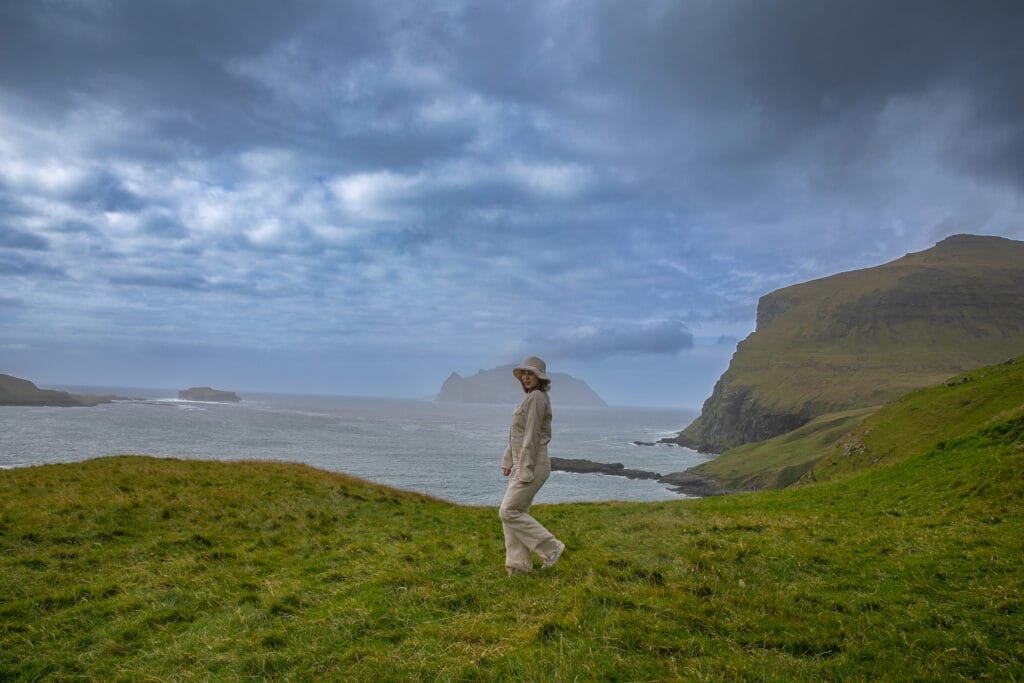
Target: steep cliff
860	338
497	385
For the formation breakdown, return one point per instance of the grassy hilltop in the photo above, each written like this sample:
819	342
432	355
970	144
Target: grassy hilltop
861	338
904	566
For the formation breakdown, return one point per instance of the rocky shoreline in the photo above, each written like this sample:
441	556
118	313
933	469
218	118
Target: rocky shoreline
693	484
686	482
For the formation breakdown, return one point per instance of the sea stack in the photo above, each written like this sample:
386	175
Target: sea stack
498	385
208	394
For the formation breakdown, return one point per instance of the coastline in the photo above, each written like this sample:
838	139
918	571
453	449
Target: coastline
688	482
405	443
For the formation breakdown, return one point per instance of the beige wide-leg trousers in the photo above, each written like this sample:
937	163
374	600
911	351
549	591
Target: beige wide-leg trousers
524	534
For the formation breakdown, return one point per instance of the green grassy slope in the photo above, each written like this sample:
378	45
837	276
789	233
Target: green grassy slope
842	442
919	420
133	568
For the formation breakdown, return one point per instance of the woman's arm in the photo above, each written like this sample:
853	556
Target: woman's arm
506	460
531	436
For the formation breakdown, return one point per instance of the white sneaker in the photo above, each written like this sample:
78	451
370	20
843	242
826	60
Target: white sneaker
551	559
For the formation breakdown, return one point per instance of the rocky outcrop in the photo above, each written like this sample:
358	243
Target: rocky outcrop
497	385
688	482
208	395
732	416
590	467
693	484
15	391
861	338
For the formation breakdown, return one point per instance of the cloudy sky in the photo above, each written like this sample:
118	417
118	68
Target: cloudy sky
361	197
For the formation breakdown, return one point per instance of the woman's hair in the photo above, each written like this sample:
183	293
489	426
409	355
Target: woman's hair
542	384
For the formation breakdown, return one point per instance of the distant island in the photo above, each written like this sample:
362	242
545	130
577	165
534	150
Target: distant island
208	394
15	391
497	385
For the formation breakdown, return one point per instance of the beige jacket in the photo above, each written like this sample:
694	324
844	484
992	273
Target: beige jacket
529	435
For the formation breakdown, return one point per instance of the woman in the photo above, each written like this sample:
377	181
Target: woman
526	464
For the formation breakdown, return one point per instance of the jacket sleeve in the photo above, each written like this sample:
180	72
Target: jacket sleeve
506	460
531	439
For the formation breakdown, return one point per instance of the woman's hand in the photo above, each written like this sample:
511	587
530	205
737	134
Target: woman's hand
506	471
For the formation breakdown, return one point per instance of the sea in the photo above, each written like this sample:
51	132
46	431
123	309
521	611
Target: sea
450	451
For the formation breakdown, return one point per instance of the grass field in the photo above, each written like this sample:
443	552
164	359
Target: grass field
154	569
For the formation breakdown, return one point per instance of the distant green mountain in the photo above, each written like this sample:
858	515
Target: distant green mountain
861	338
15	391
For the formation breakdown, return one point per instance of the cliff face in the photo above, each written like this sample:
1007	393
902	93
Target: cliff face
731	416
497	385
861	338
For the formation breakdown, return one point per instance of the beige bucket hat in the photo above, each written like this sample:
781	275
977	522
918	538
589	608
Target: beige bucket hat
534	365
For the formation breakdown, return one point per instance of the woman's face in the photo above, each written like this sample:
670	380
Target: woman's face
527	379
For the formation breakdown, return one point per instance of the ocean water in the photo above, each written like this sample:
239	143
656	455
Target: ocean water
450	451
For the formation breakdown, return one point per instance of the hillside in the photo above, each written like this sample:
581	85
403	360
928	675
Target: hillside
497	385
132	567
861	338
782	460
928	418
838	443
15	391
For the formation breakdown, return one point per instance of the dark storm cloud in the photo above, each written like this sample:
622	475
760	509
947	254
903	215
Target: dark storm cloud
589	342
75	227
14	264
19	239
107	193
795	63
165	226
752	77
761	75
174	63
185	282
11	304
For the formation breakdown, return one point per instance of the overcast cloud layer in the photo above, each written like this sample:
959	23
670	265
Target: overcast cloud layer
360	197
